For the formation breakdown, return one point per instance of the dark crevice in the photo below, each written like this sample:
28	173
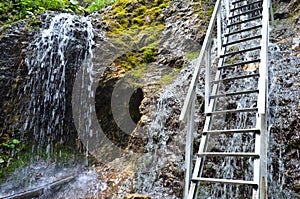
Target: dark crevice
110	122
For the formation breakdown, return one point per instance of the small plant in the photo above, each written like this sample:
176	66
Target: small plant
148	55
11	144
97	5
9	150
190	55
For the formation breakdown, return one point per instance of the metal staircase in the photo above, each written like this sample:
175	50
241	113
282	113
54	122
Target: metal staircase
238	92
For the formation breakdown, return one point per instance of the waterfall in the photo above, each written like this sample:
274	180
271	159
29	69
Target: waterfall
282	119
161	170
56	55
59	55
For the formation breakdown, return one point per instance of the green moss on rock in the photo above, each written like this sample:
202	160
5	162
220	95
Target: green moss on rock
135	26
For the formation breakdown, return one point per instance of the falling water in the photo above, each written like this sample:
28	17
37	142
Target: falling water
282	72
56	55
166	143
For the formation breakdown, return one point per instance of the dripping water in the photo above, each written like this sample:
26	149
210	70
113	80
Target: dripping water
55	56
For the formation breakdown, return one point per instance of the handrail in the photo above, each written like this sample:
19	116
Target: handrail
187	113
262	84
206	43
261	120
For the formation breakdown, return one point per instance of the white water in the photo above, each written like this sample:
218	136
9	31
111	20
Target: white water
162	167
55	55
279	120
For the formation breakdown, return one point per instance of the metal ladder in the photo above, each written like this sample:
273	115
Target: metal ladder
242	37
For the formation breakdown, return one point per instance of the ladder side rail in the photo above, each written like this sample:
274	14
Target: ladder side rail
207	76
256	162
219	32
262	101
189	146
210	105
227	9
204	140
262	84
200	60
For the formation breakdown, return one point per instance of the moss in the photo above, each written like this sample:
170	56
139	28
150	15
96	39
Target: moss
22	160
191	55
62	155
210	11
97	5
136	25
138	14
168	78
204	9
148	55
232	60
137	73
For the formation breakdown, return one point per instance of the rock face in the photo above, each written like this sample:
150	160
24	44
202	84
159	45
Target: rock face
13	42
284	104
157	139
137	196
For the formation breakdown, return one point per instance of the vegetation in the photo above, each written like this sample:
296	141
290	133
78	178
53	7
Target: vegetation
9	150
192	55
168	78
15	10
204	8
97	5
135	28
62	155
11	11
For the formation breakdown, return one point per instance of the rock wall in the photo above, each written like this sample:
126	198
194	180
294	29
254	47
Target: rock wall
284	109
13	43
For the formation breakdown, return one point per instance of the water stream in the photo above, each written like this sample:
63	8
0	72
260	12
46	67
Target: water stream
55	55
282	72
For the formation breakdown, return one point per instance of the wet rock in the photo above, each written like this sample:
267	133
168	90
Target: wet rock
137	196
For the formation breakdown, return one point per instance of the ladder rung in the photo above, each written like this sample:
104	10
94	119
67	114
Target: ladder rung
231	131
242	30
240	64
245	21
226	181
237	77
223	154
238	1
247	12
245	6
232	111
234	93
241	51
242	40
